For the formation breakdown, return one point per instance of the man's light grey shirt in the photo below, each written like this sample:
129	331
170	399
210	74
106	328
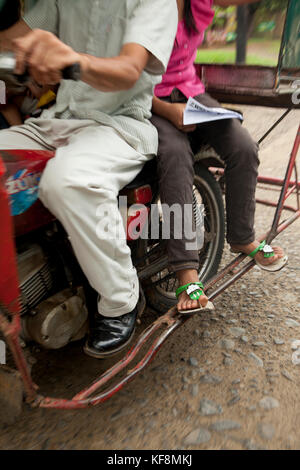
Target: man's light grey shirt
101	28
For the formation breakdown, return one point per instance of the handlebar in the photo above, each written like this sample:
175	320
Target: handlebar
8	64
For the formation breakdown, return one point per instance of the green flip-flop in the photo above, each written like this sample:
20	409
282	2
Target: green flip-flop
194	290
268	252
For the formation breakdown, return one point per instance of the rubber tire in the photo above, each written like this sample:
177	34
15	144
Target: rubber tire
159	299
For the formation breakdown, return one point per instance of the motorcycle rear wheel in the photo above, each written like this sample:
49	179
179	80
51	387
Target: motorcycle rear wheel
161	296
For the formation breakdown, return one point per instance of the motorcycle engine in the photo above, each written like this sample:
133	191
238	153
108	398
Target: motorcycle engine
52	315
35	276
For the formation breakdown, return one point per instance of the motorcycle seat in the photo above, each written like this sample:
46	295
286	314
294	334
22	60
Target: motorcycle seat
146	176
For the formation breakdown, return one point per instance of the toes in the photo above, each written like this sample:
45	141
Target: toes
273	259
188	304
278	251
203	300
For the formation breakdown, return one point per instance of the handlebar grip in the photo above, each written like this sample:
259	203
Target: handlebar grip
72	72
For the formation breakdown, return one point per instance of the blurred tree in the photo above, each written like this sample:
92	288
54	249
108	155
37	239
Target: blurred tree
273	5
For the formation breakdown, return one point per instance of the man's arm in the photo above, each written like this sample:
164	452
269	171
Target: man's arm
227	3
17	30
46	56
116	73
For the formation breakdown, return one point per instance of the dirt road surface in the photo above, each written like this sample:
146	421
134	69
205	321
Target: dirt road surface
223	381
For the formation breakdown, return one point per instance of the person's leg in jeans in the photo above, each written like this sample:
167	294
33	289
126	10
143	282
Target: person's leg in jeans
176	176
235	146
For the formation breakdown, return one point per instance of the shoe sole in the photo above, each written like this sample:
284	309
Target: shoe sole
104	355
274	267
208	308
271	268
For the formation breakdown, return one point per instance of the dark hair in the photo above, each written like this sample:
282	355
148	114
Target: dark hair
10	14
188	17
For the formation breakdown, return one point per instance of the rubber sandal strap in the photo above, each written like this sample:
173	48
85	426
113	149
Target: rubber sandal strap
259	248
194	290
265	248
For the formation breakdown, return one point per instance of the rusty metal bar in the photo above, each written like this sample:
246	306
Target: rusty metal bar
274	204
148	357
11	331
261	179
290	192
287	179
166	319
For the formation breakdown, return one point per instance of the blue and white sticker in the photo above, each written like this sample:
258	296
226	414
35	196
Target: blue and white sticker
22	188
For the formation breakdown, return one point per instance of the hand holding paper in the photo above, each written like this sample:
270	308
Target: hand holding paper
196	113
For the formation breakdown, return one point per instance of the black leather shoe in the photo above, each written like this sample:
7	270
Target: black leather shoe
108	336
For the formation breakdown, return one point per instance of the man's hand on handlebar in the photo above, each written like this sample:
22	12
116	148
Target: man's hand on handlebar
44	56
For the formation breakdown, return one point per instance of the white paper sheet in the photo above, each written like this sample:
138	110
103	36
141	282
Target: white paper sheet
196	113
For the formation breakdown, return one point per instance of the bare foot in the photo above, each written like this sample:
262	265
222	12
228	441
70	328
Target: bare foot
247	249
184	302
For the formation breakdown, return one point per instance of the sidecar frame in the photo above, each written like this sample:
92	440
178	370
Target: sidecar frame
267	87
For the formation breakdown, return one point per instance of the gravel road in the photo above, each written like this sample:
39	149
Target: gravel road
223	381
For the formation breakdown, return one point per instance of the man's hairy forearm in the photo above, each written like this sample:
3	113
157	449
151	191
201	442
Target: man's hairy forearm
108	74
17	30
45	56
115	73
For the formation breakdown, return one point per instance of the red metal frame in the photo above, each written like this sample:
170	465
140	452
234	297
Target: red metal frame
168	323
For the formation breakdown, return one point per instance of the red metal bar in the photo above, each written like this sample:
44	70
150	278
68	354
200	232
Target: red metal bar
276	181
274	204
288	222
261	179
285	187
290	191
126	360
172	324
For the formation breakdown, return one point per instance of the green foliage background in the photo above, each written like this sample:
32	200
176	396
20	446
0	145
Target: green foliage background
273	5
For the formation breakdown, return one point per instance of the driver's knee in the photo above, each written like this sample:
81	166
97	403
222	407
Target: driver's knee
66	183
54	187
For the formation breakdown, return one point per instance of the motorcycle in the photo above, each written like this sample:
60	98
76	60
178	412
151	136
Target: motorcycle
48	288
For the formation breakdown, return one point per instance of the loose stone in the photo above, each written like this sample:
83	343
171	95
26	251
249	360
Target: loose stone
196	437
257	360
266	431
210	379
209	408
269	403
226	425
